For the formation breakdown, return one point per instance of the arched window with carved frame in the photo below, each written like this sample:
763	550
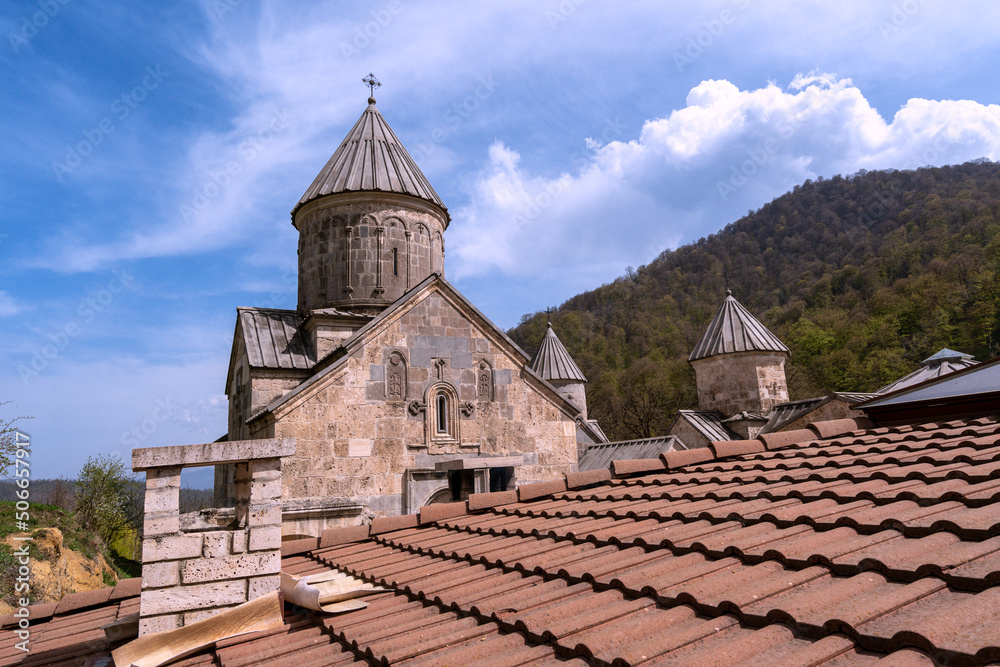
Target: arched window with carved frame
442	414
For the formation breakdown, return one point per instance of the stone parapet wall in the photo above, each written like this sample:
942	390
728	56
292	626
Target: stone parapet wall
192	569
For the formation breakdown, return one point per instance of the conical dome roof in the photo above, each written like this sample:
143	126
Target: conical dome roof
734	329
552	361
371	159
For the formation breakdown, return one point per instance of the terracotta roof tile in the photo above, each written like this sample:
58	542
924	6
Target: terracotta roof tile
861	547
540	489
126	588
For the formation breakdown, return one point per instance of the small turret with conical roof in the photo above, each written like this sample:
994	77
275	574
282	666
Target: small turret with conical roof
370	225
555	365
739	365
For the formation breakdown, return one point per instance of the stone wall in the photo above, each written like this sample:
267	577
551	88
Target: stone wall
362	427
250	391
575	393
689	435
192	569
751	381
354	252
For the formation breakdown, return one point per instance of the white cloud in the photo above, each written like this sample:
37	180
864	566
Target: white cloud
8	306
693	171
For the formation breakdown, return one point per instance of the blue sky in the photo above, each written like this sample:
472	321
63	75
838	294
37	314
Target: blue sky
152	153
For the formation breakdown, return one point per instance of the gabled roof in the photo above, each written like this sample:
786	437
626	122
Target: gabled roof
943	362
707	422
553	362
274	339
734	329
602	454
789	411
371	159
336	359
826	546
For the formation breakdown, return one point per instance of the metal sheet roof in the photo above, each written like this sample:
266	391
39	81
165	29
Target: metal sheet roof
734	329
371	159
853	397
786	413
972	380
601	455
942	363
552	361
708	423
274	339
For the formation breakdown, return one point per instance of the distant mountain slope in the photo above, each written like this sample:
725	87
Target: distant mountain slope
861	276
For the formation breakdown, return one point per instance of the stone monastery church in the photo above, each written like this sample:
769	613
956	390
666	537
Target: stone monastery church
397	390
400	393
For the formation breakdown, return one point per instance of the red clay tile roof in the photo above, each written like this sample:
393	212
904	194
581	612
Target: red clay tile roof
878	545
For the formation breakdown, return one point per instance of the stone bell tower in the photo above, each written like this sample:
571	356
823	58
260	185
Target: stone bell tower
370	225
739	365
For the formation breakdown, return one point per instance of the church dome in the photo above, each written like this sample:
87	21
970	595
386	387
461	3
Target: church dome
371	159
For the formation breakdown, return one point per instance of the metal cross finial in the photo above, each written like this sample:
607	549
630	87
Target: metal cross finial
548	316
372	82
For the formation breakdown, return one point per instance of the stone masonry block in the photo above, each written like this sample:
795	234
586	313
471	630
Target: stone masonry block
159	575
265	468
461	359
242	472
264	514
171	547
259	586
152	625
195	616
145	458
267	537
188	598
229	567
163	499
161	523
215	545
239	541
159	478
265	490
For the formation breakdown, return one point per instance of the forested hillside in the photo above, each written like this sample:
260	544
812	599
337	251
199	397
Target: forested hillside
861	276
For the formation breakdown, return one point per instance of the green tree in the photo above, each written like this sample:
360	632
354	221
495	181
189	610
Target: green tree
107	500
8	442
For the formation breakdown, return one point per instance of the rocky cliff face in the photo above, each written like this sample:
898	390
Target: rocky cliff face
57	570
